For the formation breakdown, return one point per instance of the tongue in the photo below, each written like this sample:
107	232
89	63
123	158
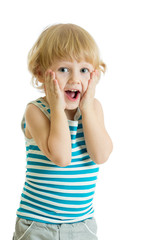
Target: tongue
71	94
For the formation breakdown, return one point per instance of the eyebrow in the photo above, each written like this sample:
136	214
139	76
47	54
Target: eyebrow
70	63
87	64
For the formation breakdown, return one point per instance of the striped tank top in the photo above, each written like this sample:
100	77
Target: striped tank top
53	194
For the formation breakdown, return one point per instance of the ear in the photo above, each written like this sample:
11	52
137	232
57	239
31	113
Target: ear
39	75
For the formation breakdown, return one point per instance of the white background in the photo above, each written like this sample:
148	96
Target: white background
127	199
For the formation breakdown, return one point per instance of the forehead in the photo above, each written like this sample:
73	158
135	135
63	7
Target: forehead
73	63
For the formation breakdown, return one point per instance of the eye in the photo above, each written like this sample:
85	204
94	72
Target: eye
63	69
84	70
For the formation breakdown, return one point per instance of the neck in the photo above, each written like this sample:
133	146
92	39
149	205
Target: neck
70	114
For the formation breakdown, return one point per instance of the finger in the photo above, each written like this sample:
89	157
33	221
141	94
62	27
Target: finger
49	77
56	86
52	75
46	81
92	84
92	80
95	76
52	81
98	72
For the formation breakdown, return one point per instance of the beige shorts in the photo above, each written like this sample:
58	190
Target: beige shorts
30	230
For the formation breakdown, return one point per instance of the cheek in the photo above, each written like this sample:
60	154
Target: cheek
61	81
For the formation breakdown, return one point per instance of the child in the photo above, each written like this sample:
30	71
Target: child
65	138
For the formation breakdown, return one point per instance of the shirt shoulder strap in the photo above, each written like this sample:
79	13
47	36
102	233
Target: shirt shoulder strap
42	105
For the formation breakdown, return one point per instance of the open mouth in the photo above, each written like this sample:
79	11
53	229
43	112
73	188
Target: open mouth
72	95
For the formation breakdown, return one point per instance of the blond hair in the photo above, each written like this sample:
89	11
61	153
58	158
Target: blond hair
62	42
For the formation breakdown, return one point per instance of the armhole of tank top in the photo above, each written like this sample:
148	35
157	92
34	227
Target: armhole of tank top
41	105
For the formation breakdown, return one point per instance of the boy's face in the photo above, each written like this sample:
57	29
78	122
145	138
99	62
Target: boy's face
73	80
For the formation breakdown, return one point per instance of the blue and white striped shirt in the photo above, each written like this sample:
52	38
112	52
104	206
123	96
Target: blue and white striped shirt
54	194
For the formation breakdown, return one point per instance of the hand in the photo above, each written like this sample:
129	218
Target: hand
53	93
88	97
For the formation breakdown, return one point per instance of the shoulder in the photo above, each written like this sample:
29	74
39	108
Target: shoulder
99	110
35	120
98	106
31	110
97	102
33	113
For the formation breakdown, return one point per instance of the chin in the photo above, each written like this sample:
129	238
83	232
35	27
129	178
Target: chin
71	107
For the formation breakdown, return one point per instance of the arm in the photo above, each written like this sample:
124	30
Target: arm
99	144
59	140
52	137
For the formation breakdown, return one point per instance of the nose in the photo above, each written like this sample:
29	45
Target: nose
74	78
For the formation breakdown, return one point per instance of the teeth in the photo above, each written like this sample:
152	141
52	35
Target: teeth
73	90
